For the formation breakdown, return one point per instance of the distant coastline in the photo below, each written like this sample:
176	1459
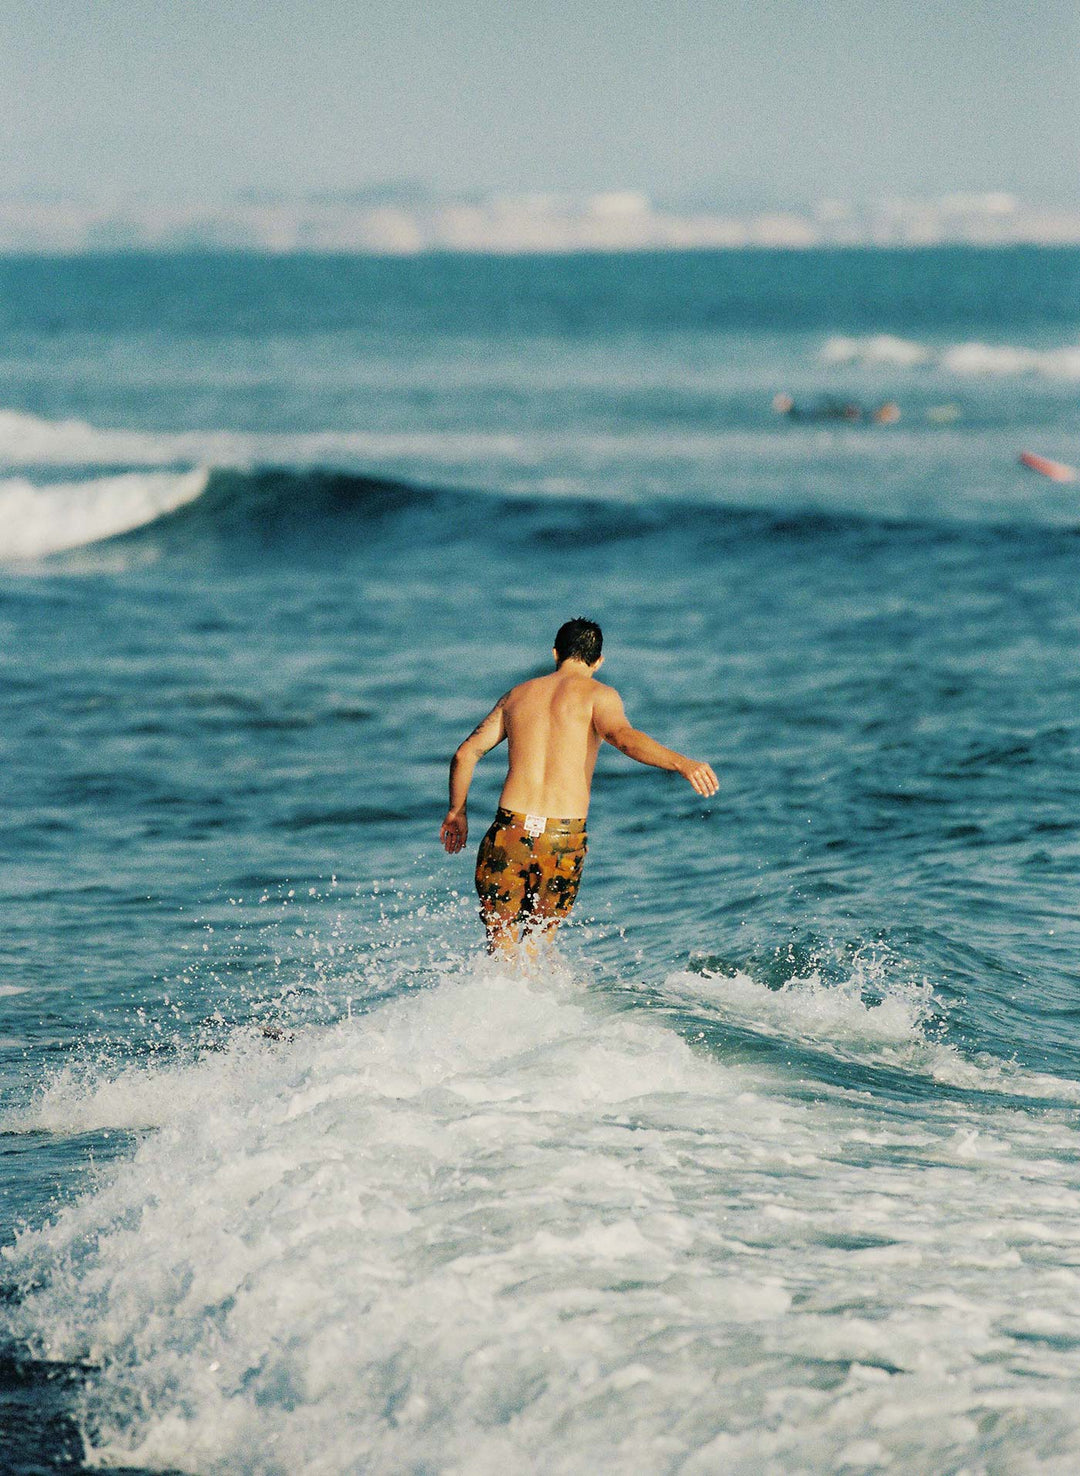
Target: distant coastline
366	224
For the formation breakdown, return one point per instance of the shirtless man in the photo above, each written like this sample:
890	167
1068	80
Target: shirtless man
529	866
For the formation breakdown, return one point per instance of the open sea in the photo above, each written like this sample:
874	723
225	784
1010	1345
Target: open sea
775	1167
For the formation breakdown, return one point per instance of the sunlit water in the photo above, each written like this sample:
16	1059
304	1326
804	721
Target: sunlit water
774	1167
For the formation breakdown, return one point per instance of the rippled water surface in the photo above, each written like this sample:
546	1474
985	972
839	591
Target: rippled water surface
774	1167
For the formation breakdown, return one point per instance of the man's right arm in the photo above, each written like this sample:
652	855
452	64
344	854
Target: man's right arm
613	726
454	831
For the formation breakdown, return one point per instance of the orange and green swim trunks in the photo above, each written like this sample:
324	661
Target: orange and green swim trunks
528	869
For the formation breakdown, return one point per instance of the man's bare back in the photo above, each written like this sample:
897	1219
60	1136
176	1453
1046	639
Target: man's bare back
554	726
552	743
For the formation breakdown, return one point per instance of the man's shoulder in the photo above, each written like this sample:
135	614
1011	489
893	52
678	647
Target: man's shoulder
596	692
519	692
606	703
524	686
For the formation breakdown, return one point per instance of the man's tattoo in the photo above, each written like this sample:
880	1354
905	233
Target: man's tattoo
484	721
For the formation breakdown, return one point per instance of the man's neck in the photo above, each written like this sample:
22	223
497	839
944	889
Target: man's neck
575	667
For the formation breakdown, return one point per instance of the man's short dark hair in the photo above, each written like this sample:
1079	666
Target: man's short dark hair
579	639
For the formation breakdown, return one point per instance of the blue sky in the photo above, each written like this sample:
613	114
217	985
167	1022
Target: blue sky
771	102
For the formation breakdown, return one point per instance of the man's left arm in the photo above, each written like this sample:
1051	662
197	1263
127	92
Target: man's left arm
454	831
613	726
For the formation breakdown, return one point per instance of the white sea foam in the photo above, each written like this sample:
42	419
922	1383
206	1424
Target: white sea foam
879	348
499	1226
870	1017
560	459
31	440
1002	359
970	359
40	520
624	465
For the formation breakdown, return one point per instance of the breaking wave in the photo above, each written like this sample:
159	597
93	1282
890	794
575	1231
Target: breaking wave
36	521
868	1019
969	359
322	514
200	490
501	1216
30	440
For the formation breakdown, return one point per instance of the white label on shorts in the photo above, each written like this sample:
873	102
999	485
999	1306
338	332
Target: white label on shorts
535	825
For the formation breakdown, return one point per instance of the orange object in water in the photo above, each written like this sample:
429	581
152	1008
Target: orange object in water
1057	471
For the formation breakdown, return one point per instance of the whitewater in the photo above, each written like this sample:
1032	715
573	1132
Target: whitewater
501	1219
773	1165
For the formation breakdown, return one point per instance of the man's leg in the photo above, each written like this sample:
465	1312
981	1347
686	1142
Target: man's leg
502	883
502	936
560	858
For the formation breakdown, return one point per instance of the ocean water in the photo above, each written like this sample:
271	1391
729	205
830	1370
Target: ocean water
774	1166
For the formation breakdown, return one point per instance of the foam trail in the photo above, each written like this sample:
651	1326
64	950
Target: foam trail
1002	360
969	359
879	348
30	440
40	520
869	1018
449	456
498	1218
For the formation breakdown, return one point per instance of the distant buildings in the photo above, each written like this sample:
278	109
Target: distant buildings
405	223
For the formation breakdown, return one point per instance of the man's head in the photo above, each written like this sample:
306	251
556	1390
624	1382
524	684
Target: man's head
579	640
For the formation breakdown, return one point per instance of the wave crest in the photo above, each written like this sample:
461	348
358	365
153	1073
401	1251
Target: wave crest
39	520
972	359
870	1017
879	348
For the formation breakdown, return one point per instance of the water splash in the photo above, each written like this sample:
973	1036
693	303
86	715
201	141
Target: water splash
505	1215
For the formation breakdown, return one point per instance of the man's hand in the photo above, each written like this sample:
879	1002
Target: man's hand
700	777
454	831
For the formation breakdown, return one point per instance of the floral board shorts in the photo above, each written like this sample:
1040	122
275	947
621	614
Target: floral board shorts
529	869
